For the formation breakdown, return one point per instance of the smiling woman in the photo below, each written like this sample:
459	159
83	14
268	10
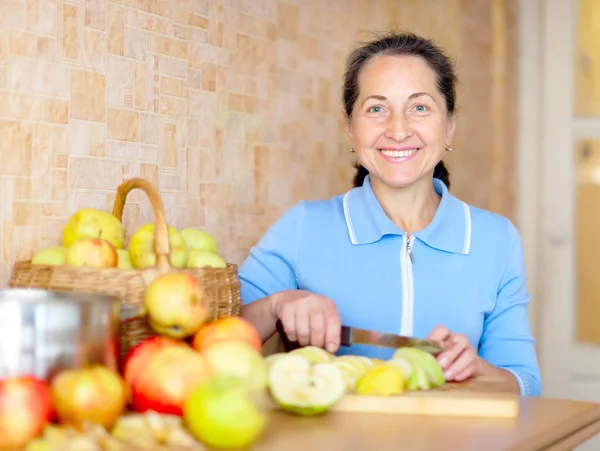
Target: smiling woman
398	253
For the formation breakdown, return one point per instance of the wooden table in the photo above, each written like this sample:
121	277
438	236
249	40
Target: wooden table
543	424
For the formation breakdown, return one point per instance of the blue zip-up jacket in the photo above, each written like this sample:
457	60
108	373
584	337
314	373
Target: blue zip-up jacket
465	271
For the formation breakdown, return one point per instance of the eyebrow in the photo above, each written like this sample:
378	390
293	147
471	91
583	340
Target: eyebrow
410	97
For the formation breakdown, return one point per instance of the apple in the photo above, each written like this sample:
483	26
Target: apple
124	261
199	258
138	355
176	304
221	413
54	255
25	410
162	373
93	394
198	239
239	359
228	328
94	223
141	248
93	253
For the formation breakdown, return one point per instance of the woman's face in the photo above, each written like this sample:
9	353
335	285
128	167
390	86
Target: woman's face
399	126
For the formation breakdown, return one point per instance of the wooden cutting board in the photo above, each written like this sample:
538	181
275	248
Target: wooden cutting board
480	397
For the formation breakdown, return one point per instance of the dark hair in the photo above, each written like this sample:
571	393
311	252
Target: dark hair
401	44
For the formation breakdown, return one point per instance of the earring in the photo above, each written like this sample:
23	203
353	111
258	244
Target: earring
448	148
352	149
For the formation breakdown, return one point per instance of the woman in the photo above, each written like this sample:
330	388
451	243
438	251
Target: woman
398	253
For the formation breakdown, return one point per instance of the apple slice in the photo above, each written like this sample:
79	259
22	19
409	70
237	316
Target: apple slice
384	379
426	361
404	364
314	354
350	373
361	363
305	388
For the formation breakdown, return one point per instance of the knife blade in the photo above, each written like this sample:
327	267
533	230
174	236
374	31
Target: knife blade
354	335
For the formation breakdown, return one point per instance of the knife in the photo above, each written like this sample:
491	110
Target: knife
354	335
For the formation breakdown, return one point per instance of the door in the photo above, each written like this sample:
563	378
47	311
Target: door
568	164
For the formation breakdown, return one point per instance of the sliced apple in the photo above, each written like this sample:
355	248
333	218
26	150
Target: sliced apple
314	354
404	364
305	388
361	363
426	361
384	379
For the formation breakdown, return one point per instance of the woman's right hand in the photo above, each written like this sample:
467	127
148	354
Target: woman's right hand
308	319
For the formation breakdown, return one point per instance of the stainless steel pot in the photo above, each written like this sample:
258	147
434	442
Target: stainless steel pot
43	332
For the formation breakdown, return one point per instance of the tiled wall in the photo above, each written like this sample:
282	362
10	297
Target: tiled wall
230	106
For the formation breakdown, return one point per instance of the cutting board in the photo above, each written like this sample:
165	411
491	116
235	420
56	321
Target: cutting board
480	397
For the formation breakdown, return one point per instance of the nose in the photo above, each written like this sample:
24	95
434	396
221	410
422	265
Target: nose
398	128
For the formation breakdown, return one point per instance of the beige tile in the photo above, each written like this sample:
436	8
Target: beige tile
140	86
97	134
56	111
46	48
41	16
167	46
15	135
26	214
12	14
88	96
94	54
119	75
169	145
116	29
160	7
122	125
59	184
149	128
22	43
98	174
38	77
172	87
95	14
20	106
70	31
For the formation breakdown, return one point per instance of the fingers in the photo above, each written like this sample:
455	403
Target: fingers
317	328
333	330
311	320
463	367
439	333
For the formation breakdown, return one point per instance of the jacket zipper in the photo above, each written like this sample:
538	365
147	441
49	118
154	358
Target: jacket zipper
407	259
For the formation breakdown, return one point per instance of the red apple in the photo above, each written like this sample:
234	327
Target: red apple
139	354
94	394
93	253
162	372
25	409
228	328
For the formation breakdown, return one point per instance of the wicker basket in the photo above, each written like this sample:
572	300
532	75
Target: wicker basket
221	284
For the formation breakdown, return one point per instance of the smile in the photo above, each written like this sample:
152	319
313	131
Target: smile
398	156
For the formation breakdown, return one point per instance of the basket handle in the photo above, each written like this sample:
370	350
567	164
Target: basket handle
161	232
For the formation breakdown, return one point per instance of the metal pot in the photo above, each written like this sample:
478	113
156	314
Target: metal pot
43	332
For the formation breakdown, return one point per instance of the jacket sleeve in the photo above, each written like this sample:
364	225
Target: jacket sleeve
270	267
507	341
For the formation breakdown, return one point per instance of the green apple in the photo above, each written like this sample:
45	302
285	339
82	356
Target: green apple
142	253
199	258
54	255
124	261
303	388
198	239
221	413
426	361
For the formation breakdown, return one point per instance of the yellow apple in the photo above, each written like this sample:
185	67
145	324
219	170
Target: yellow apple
198	259
93	253
124	262
94	223
141	248
199	239
54	255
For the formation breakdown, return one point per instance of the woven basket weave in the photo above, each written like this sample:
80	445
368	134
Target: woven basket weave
221	284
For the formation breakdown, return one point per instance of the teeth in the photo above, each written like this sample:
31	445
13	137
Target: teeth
398	153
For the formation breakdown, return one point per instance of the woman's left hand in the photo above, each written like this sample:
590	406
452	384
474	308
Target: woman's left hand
459	359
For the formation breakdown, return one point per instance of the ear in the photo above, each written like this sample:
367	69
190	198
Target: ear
450	129
348	127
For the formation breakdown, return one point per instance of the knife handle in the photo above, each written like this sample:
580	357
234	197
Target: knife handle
345	339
